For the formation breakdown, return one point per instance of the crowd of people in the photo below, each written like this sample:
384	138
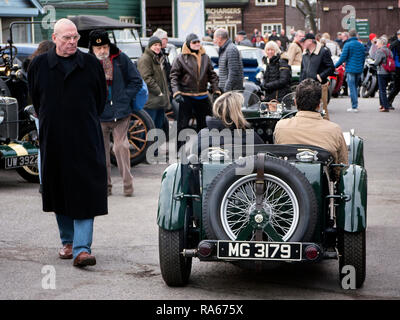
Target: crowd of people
93	95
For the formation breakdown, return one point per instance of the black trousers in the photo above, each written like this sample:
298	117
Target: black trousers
193	108
396	89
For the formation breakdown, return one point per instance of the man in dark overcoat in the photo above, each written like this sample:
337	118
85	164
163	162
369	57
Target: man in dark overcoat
68	90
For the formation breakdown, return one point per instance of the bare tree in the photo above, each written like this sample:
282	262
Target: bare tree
308	9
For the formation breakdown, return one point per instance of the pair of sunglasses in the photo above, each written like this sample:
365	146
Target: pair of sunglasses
196	41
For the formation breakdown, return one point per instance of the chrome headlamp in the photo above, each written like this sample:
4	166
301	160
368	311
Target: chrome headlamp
2	116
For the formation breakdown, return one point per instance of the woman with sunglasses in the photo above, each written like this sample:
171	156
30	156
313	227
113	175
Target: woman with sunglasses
190	74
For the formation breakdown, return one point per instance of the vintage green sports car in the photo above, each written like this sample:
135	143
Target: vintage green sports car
15	154
283	203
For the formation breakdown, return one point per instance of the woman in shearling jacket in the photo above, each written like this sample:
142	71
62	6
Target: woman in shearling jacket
190	74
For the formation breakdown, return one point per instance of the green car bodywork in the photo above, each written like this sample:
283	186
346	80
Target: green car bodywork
351	196
16	149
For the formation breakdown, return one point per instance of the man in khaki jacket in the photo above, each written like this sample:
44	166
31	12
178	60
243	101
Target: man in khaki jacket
308	127
295	51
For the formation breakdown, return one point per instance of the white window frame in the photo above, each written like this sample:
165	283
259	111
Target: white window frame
287	2
268	27
232	28
294	3
127	19
266	2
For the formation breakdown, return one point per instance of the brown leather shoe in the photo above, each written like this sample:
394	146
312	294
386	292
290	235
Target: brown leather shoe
84	259
65	252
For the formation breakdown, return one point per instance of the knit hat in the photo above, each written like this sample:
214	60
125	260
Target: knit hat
154	40
191	37
98	37
160	33
372	36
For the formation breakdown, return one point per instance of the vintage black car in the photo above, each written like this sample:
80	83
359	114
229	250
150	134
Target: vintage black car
272	203
18	136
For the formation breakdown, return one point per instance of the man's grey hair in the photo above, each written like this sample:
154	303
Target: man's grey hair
300	32
221	33
353	33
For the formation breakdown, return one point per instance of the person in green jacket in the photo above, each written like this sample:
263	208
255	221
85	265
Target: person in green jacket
151	70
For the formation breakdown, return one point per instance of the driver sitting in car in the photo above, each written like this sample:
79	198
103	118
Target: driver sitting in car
308	127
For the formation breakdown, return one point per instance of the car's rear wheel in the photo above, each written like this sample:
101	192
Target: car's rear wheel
289	203
352	252
175	268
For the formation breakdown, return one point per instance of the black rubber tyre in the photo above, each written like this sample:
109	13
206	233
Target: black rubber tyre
290	175
139	127
368	89
29	133
175	269
352	252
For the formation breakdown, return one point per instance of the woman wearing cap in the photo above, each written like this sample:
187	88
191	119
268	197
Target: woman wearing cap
190	74
278	73
150	67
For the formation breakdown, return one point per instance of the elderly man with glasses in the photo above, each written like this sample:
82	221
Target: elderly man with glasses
68	90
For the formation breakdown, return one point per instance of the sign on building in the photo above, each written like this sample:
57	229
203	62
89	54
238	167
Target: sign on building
362	27
227	18
190	18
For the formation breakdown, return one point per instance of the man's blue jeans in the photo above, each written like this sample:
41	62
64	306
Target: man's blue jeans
76	232
353	80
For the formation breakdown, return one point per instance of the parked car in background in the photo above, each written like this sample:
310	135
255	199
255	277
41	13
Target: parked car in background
251	58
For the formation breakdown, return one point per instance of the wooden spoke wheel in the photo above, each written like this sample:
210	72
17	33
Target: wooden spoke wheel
139	127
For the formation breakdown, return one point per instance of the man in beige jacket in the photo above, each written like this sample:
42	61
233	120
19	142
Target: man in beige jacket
308	127
295	51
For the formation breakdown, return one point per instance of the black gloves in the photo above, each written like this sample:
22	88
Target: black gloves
179	99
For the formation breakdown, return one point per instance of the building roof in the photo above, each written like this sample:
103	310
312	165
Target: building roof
20	8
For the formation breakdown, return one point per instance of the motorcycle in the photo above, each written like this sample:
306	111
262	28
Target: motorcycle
369	85
337	81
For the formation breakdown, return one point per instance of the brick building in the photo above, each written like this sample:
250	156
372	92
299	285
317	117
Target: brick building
380	17
247	15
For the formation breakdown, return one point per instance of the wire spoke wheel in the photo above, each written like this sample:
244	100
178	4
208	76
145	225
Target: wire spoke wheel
279	203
